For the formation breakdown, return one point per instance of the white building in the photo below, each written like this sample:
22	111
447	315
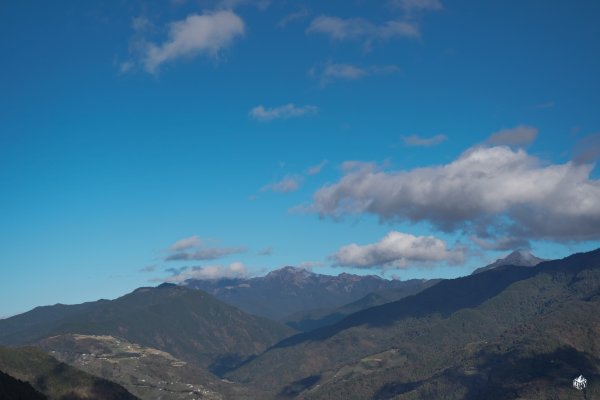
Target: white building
580	382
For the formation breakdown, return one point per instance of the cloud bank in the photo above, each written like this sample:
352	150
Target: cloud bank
492	191
211	272
397	250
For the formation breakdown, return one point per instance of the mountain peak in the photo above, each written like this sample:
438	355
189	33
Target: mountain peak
519	258
289	271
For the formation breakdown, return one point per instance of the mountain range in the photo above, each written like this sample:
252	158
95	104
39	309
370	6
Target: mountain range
189	324
289	291
505	332
534	326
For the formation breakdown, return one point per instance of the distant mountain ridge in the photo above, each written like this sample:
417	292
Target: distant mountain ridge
518	258
291	290
502	334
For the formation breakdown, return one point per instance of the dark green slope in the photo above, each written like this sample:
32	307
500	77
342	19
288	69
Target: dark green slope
415	348
57	380
190	324
14	389
309	321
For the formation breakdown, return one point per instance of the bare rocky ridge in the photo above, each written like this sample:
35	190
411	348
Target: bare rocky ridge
518	258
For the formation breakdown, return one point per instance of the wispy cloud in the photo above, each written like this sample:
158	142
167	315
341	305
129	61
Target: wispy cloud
289	183
287	111
398	250
186	243
295	16
194	248
519	136
267	251
207	34
211	253
316	169
501	243
292	182
419	141
331	72
148	268
587	149
362	29
309	265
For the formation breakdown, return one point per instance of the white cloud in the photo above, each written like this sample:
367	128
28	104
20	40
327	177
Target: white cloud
487	190
206	34
289	183
519	136
261	113
362	29
185	244
418	141
397	250
233	270
316	169
148	268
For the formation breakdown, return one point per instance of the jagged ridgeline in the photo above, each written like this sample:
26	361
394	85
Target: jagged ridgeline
507	333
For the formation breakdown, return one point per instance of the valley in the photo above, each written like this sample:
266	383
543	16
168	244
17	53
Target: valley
504	332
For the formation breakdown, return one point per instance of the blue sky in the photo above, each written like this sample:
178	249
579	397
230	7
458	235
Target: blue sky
144	141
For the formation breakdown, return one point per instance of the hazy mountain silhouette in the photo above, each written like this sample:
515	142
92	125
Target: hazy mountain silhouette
289	290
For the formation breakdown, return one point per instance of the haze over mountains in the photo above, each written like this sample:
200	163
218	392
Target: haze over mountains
505	332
